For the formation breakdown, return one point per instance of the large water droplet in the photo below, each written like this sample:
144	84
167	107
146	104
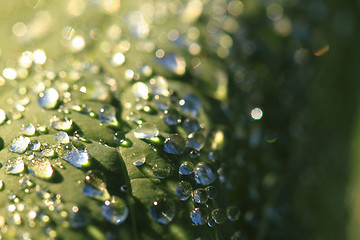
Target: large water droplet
171	117
14	166
34	145
95	89
61	124
2	116
62	137
49	98
140	90
77	156
174	144
183	190
115	210
211	191
173	63
233	213
162	211
138	159
190	125
78	217
200	196
41	168
218	215
204	175
107	114
186	168
94	185
195	140
19	144
159	86
146	131
199	216
161	170
28	130
190	104
163	103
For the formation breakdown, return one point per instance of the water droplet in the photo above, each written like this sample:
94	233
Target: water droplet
238	236
190	125
233	213
115	210
41	168
218	215
200	196
162	211
134	117
186	168
162	102
139	159
2	185
204	175
211	191
146	131
78	217
190	104
140	90
95	186
19	144
211	222
161	170
194	154
14	166
34	145
173	63
183	190
171	117
174	144
159	86
48	152
195	140
107	114
28	130
77	156
94	89
49	98
199	216
62	137
2	116
61	124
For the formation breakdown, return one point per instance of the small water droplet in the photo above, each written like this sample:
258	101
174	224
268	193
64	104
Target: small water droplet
195	140
2	185
41	168
199	216
61	124
28	130
162	102
218	215
190	125
146	131
95	186
49	98
159	86
200	196
14	166
107	114
139	159
171	117
233	213
62	137
19	144
77	156
211	222
2	116
48	152
140	90
183	190
162	211
194	154
161	170
186	168
173	63
174	144
115	210
204	175
34	145
78	217
190	104
211	191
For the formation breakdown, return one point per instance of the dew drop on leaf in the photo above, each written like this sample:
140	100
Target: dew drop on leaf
183	190
195	140
218	215
190	125
190	104
162	211
76	156
139	159
41	168
107	114
173	63
115	210
161	170
78	217
211	191
233	213
199	216
204	175
49	98
186	168
34	145
2	116
95	186
146	131
61	124
200	196
28	130
62	137
140	90
174	144
159	86
19	144
14	166
171	117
